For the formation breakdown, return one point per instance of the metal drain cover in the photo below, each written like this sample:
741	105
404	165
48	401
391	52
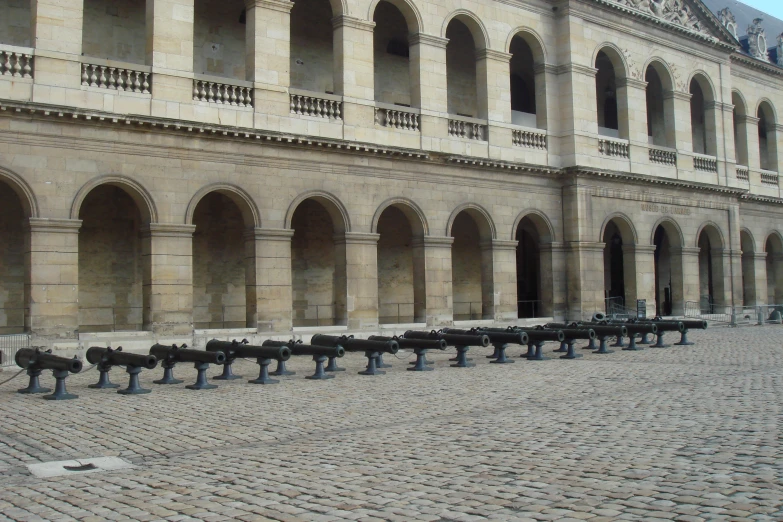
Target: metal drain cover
78	467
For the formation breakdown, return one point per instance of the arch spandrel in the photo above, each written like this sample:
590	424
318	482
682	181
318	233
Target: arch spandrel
138	193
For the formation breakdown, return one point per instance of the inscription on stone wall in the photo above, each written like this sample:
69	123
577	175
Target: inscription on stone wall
666	209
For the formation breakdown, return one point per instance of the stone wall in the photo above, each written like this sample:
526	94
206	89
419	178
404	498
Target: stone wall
392	71
12	262
115	30
15	28
110	267
219	38
312	57
218	264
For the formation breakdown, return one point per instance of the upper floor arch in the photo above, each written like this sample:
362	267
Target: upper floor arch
410	209
243	201
662	69
138	193
334	207
474	25
481	217
23	191
408	10
614	55
532	39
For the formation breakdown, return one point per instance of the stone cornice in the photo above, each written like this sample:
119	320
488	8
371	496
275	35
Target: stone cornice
270	234
356	238
284	6
576	68
428	39
756	63
491	54
433	241
677	95
762	199
57	226
168	230
353	23
744	118
632	83
497	164
545	68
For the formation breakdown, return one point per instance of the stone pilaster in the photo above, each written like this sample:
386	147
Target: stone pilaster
268	279
749	128
354	72
690	274
775	279
721	276
578	114
57	38
167	257
634	92
268	54
683	131
639	271
52	286
553	284
361	270
437	279
428	84
547	99
759	261
170	53
585	277
499	264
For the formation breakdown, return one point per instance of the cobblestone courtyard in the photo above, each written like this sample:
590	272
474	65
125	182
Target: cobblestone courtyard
685	433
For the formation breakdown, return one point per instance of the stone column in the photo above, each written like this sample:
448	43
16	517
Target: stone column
777	279
683	131
547	100
741	149
437	278
578	114
585	276
690	274
553	280
361	271
428	84
57	38
167	257
52	289
749	295
750	124
268	279
721	276
354	73
778	142
268	60
640	259
727	146
760	278
499	280
677	267
170	53
633	117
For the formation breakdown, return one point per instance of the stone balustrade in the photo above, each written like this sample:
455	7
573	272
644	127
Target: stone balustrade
318	105
216	90
743	174
396	117
467	128
117	76
614	147
663	156
769	178
529	138
705	163
16	63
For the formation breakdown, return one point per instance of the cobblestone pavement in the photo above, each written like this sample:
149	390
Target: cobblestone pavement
685	433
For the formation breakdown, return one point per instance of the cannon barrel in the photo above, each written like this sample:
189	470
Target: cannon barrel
666	326
356	345
505	336
694	324
34	357
424	344
545	335
451	339
107	356
641	328
234	349
315	350
177	355
610	330
578	333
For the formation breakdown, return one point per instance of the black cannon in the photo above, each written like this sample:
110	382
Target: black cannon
105	358
663	327
536	339
461	342
634	328
419	347
372	349
572	333
169	356
243	350
605	331
35	360
690	324
319	353
500	339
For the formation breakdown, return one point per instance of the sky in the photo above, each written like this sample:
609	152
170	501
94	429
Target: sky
773	7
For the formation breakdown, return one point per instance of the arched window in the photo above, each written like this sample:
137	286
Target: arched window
739	117
219	38
660	107
116	30
461	70
528	87
703	131
609	99
312	42
392	55
768	150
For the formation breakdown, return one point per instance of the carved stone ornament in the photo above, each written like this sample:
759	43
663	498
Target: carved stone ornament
757	40
674	11
780	49
726	18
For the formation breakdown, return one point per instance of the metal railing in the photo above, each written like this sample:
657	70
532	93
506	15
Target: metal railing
399	313
529	308
10	344
212	317
319	315
727	315
111	319
468	311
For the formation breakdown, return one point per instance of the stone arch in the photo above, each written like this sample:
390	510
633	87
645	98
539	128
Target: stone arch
409	11
340	7
747	241
533	39
714	233
615	55
742	106
335	208
663	69
140	195
776	238
240	197
773	247
705	83
412	211
473	23
624	224
480	216
22	190
546	232
765	105
750	288
673	230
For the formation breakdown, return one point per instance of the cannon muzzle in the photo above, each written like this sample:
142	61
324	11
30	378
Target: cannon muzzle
509	336
34	358
666	326
545	335
110	357
478	339
317	351
176	354
578	333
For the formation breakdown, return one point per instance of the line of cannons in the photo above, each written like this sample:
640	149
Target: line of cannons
325	351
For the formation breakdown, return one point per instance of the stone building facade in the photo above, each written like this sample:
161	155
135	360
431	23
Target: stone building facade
171	166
